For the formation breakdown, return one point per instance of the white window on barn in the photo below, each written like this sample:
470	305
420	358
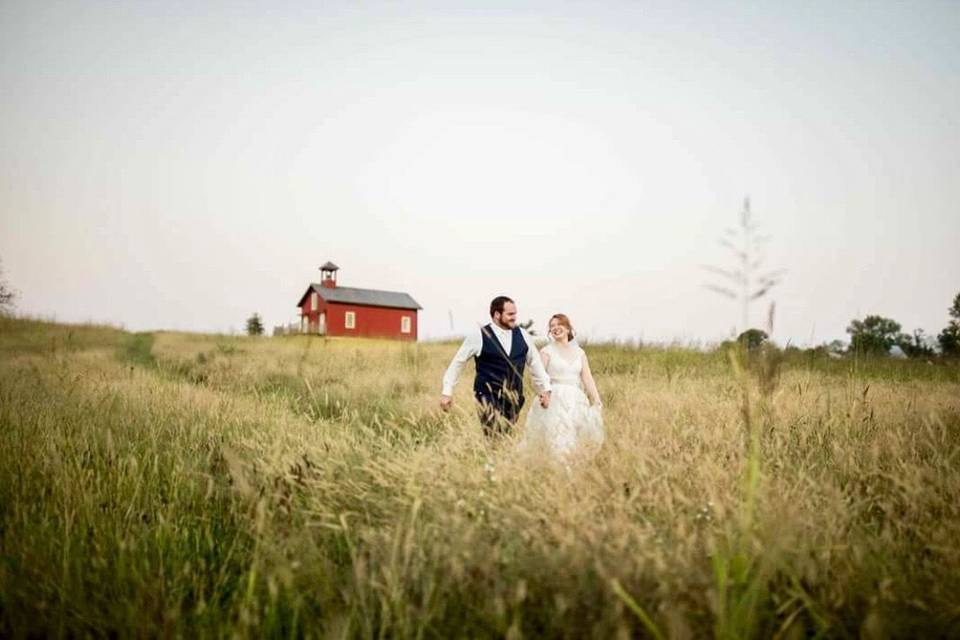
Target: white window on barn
314	301
405	324
350	320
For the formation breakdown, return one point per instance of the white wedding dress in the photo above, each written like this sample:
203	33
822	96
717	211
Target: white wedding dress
569	428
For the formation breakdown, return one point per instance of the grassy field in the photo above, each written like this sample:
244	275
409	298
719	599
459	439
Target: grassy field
207	486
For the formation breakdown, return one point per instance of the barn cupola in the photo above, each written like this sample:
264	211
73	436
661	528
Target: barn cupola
328	275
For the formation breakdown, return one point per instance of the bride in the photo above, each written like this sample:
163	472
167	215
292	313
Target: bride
569	427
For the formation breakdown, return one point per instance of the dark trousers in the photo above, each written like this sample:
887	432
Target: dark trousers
499	411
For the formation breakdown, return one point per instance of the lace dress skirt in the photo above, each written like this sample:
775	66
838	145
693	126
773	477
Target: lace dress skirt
568	428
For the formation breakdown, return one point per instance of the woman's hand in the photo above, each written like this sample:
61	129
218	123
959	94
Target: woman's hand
544	399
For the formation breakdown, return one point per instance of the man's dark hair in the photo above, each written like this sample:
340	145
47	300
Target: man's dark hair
497	304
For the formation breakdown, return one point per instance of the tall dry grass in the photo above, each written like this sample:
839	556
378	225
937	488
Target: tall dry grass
176	484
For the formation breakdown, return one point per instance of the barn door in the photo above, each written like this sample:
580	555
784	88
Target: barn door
323	324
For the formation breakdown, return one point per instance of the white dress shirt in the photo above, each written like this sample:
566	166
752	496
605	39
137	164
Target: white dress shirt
472	346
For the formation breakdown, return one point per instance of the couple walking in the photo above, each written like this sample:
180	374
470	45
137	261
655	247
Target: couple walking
562	423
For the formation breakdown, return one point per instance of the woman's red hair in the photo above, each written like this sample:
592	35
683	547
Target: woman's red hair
564	322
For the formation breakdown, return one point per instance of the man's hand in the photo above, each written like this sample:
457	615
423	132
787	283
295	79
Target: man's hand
446	402
544	399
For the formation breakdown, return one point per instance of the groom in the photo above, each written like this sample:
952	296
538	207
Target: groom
500	350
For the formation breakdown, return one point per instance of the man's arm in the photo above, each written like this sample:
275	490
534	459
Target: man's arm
470	347
537	370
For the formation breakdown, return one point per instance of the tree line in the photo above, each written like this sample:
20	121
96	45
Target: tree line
878	335
747	281
874	334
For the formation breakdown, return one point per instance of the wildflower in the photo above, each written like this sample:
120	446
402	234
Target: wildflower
705	513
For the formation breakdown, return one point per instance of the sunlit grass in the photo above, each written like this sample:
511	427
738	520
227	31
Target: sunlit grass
213	485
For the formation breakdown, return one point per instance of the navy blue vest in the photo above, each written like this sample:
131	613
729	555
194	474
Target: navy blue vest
498	371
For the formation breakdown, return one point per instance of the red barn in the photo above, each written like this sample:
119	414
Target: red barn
328	309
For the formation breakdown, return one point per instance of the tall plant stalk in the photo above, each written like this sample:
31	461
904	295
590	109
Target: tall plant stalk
747	280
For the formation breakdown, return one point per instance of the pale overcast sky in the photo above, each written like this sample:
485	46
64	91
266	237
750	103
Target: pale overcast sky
179	165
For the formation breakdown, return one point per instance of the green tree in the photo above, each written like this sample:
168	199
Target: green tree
254	325
874	334
753	339
7	295
836	346
917	345
949	338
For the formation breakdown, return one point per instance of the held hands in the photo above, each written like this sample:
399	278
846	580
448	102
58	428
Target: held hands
544	399
446	401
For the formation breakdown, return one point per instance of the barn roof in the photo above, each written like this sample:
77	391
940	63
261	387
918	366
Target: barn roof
365	297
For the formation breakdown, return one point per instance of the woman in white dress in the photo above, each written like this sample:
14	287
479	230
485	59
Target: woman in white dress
569	427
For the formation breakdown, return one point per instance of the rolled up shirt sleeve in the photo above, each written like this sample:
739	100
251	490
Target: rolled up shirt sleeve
537	371
470	348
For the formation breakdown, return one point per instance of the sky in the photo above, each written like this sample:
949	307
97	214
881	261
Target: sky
181	165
